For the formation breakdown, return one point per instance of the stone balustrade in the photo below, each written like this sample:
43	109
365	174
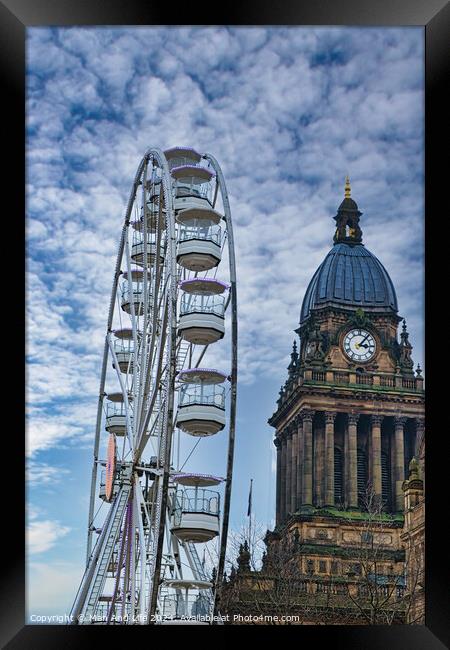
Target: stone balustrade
350	378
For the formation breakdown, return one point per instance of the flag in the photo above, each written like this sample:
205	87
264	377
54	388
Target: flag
249	509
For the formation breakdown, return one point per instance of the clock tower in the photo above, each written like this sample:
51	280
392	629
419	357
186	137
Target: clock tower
350	416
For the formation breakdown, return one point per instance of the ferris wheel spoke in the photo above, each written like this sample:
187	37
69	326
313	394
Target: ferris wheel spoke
156	381
149	369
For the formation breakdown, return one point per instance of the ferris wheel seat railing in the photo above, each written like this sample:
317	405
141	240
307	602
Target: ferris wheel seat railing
124	344
199	248
200	419
202	231
138	252
124	350
138	305
153	223
190	610
201	409
136	296
192	186
202	318
195	500
195	527
116	421
195	303
190	201
124	361
202	394
116	424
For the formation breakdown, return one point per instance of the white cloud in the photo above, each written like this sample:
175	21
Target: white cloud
51	589
43	535
43	474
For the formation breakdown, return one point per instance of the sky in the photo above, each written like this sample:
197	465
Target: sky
287	112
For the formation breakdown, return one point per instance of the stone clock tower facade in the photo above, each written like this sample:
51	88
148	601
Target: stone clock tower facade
350	416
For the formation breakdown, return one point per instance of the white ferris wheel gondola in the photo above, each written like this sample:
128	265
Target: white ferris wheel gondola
163	315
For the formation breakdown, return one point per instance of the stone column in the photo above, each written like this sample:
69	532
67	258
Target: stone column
330	417
399	461
277	444
375	451
307	416
351	445
283	477
319	464
288	470
294	451
300	459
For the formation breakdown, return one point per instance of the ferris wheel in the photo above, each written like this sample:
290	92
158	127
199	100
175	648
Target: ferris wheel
173	304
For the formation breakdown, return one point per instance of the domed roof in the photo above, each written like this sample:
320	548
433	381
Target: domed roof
352	277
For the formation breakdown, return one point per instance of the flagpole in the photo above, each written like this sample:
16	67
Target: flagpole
249	515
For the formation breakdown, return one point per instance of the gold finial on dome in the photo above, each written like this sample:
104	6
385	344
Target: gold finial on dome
348	189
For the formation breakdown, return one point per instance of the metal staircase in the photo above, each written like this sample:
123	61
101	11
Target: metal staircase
182	354
95	575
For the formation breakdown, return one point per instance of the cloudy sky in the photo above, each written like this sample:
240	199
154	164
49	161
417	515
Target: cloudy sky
287	112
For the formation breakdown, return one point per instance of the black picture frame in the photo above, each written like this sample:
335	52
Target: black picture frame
434	16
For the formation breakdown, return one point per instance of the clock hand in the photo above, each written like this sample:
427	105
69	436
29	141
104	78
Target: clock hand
366	337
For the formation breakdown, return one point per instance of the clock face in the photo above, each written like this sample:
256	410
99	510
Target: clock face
359	345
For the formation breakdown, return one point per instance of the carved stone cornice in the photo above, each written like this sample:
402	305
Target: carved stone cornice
352	418
277	443
376	419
